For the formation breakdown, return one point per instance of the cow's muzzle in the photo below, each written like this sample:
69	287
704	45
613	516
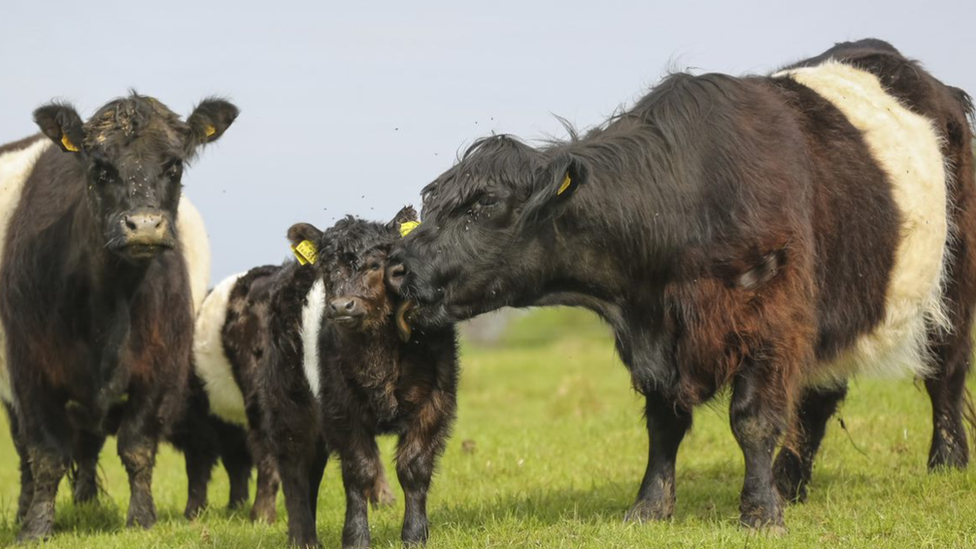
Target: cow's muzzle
144	234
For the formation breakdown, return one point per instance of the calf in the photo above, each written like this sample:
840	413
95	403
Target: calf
95	306
229	348
773	234
338	375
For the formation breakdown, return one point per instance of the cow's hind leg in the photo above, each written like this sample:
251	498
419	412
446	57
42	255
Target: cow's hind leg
87	448
381	495
794	464
666	427
236	457
947	391
264	508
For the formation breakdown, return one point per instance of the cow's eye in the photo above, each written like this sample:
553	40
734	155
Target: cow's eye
487	201
103	172
174	169
374	266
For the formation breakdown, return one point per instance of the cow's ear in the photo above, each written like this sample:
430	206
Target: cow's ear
556	185
61	124
404	221
209	121
304	238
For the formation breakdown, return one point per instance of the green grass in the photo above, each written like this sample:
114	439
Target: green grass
559	450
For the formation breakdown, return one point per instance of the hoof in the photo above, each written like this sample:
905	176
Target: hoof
645	511
28	534
768	531
765	524
141	520
948	459
267	515
305	543
193	510
85	493
791	479
382	498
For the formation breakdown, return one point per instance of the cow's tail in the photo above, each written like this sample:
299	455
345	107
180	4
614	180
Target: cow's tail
969	415
966	102
969	406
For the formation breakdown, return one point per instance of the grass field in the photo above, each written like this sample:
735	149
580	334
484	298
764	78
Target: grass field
559	450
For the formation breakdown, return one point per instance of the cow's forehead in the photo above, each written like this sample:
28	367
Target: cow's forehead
351	237
136	124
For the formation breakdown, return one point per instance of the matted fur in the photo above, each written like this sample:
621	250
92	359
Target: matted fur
210	358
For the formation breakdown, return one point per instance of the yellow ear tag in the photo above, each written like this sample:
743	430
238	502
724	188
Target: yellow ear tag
68	145
210	130
564	186
306	252
408	226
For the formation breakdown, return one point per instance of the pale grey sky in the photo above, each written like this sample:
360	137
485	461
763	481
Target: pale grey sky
352	107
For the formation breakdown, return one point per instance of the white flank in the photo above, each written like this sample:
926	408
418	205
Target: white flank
15	168
210	359
311	324
196	249
907	148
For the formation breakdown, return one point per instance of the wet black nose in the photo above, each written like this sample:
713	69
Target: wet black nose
395	274
144	227
346	306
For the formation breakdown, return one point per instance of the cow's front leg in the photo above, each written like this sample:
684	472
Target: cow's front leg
360	469
417	453
667	424
137	443
48	465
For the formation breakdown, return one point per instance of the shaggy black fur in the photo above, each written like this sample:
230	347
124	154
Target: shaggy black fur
371	383
734	232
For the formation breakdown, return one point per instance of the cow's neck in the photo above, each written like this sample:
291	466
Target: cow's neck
371	360
590	277
112	287
113	279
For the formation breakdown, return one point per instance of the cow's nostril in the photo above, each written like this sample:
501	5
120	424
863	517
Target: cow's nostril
350	305
129	223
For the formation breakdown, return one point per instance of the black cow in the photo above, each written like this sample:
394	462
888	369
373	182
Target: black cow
335	381
230	346
773	234
95	301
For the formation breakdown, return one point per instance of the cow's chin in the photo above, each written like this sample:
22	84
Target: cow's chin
139	253
443	314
